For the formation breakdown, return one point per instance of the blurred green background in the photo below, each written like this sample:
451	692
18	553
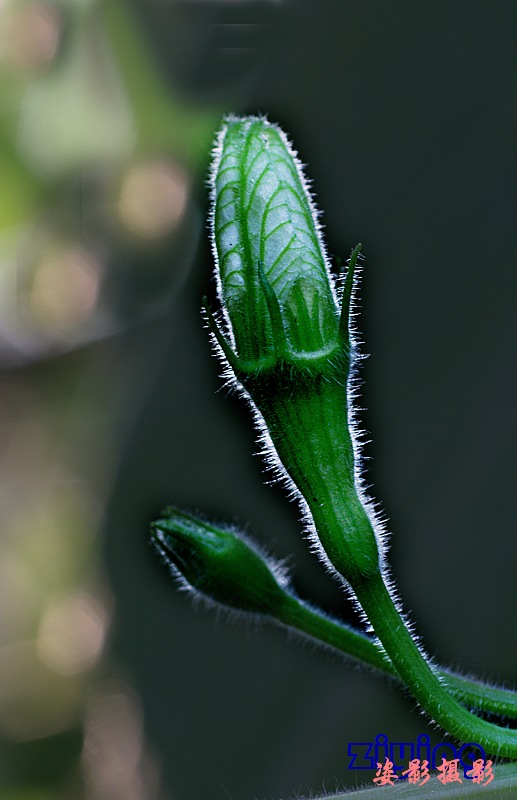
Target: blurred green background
112	686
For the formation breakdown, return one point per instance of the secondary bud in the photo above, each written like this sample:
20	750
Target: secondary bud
219	563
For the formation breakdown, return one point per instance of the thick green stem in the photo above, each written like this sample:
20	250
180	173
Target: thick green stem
489	699
300	617
310	621
424	684
280	302
305	413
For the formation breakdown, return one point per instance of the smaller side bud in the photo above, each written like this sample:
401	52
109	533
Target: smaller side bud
220	564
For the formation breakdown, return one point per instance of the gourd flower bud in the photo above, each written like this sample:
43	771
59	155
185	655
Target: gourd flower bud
274	275
288	343
219	564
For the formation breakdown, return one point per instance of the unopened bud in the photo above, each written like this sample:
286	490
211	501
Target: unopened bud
291	347
273	270
219	563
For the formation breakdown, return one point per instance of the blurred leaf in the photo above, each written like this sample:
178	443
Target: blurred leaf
163	119
20	189
77	112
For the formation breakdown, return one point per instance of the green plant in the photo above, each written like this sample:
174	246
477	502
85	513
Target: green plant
285	335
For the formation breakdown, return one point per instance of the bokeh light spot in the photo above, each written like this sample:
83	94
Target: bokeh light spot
65	288
114	760
153	198
29	36
72	632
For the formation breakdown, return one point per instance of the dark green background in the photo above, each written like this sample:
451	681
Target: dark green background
406	115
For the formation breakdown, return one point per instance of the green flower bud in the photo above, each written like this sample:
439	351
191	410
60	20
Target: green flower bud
220	564
267	241
291	348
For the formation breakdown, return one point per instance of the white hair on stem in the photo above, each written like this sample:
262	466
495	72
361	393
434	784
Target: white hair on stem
373	510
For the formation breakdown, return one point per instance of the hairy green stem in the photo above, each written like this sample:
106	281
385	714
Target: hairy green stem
308	620
294	356
423	682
